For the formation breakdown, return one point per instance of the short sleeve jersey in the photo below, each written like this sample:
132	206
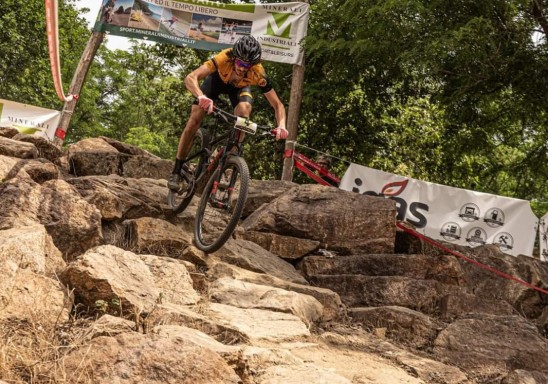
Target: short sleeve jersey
223	63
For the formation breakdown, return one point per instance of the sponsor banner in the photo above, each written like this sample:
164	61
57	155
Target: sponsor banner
543	237
456	215
29	119
279	27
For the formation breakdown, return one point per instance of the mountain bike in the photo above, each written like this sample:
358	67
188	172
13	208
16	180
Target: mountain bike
216	170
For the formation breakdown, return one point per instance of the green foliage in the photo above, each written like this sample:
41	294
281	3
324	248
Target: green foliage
151	141
25	74
453	92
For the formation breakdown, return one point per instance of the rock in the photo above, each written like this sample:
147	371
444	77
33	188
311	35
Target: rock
132	358
489	344
402	324
32	248
16	148
263	192
248	255
46	148
330	300
284	246
259	324
342	221
110	280
73	224
155	236
248	295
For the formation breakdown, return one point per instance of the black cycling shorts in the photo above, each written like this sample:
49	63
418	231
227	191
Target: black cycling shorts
213	86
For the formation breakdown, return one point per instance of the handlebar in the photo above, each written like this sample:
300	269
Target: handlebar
241	122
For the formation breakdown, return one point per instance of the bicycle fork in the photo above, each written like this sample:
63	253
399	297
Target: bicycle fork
223	202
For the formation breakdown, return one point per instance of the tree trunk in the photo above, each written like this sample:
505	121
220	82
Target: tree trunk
293	118
76	86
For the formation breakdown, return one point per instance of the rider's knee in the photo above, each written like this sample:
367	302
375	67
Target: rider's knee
243	109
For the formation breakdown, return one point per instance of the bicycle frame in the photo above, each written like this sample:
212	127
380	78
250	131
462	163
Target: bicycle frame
309	167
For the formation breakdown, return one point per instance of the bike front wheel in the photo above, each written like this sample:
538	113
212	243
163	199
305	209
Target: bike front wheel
221	205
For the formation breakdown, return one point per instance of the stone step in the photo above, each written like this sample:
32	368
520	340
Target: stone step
423	295
445	269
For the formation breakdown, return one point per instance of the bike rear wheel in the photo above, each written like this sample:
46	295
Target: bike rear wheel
221	205
179	200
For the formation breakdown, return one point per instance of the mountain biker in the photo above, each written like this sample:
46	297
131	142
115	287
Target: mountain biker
232	72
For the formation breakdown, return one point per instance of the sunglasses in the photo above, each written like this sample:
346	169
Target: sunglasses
243	64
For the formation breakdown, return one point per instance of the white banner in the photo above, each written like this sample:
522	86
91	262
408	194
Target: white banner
543	237
456	215
29	119
209	25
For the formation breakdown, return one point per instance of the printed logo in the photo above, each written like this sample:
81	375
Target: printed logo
395	188
494	218
451	231
476	236
279	24
412	212
504	240
469	212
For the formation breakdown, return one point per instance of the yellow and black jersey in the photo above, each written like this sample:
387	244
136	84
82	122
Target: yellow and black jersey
223	63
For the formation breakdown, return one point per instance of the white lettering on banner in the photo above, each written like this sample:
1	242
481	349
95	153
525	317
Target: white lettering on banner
543	237
452	214
29	119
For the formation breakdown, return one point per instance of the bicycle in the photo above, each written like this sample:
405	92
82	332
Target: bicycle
216	169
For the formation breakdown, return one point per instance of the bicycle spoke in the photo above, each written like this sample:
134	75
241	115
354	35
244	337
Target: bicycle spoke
221	205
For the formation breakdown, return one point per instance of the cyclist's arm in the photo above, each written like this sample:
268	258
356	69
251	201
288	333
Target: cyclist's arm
192	80
278	107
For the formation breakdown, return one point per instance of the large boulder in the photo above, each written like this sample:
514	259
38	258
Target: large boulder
73	224
132	358
16	148
488	344
111	280
343	221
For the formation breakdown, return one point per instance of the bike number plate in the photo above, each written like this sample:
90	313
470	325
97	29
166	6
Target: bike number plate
245	125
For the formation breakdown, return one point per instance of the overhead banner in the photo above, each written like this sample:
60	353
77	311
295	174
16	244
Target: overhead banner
455	215
543	237
279	27
29	119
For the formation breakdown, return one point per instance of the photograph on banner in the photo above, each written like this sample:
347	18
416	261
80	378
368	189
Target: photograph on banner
543	237
29	119
279	27
452	214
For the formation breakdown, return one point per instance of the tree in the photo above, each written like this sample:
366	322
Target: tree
25	74
474	65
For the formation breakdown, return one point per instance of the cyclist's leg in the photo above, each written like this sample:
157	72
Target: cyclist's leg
209	88
242	101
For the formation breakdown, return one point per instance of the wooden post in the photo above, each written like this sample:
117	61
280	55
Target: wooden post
295	100
76	86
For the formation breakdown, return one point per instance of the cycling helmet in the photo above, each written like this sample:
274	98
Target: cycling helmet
248	49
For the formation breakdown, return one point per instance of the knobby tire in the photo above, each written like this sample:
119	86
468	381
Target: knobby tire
206	235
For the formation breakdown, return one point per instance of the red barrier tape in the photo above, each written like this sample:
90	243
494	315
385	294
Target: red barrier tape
486	267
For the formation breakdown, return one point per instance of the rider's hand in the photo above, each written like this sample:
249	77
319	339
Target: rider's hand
205	103
281	133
